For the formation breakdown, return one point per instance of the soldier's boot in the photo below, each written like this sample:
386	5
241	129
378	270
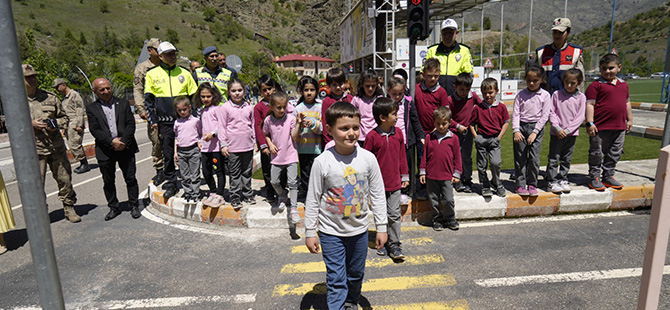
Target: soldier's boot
83	167
71	215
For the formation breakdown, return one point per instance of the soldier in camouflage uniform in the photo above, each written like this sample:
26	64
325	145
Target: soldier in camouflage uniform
140	107
74	108
48	118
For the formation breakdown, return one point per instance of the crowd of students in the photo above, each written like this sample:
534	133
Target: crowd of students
357	152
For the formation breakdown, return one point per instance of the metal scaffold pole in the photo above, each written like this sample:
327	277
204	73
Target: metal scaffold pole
21	138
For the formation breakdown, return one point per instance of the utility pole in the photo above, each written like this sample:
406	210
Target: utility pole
502	9
530	26
612	26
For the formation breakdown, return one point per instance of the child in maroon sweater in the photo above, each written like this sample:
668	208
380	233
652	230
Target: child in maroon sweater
491	119
388	145
335	79
461	104
441	166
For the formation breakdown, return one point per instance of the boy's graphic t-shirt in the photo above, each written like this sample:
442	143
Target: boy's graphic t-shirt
341	189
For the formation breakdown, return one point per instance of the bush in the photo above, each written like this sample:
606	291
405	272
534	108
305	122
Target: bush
209	14
104	6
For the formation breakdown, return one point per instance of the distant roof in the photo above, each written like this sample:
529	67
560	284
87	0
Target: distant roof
302	57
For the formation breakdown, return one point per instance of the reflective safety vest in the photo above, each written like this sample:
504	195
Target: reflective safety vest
452	63
161	85
556	62
220	81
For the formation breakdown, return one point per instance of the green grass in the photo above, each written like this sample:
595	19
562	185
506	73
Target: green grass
647	90
635	148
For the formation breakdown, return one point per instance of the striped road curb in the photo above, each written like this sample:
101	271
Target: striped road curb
658	107
468	206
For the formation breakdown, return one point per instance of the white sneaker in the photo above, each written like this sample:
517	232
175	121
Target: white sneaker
565	186
555	188
295	216
282	205
404	199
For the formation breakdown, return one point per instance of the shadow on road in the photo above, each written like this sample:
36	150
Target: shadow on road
316	299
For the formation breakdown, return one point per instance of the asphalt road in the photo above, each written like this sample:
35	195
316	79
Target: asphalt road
562	262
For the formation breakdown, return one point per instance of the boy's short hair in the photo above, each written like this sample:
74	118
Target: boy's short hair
335	75
464	79
277	96
609	58
442	113
383	106
339	110
489	82
430	64
576	73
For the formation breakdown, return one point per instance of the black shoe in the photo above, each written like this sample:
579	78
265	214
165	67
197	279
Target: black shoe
82	169
236	203
113	212
437	226
459	187
171	191
159	178
135	212
501	191
383	251
486	192
452	224
467	188
396	253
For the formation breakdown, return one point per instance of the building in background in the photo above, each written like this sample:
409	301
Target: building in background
304	64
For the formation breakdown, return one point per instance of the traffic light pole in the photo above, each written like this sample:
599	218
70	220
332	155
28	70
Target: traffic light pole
26	164
412	70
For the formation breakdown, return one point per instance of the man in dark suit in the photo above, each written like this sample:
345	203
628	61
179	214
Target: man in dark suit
112	123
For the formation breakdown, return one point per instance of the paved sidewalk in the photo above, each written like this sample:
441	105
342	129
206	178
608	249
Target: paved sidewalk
637	176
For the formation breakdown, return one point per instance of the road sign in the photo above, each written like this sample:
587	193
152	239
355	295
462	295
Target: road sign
488	63
234	62
614	51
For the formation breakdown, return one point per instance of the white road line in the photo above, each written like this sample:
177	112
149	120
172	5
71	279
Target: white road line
553	218
156	302
83	182
566	277
49	171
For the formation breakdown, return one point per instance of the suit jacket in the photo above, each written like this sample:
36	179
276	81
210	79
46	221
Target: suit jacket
125	126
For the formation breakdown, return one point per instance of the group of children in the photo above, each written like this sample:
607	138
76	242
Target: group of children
357	153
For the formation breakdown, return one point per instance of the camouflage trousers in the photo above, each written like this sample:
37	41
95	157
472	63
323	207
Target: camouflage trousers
74	139
156	148
62	173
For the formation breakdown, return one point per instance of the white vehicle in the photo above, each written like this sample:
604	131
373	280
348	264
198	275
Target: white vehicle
657	75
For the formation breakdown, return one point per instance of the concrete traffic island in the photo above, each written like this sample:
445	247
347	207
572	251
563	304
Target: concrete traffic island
637	177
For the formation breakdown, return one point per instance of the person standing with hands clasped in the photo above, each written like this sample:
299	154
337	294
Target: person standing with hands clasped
187	134
491	119
531	112
308	113
387	143
608	117
344	177
568	106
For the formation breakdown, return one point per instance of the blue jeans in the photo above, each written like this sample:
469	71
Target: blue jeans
345	264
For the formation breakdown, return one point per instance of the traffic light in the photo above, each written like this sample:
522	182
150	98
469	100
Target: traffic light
417	19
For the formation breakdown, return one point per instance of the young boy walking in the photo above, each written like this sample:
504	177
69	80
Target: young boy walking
440	167
344	178
387	143
335	78
488	125
608	117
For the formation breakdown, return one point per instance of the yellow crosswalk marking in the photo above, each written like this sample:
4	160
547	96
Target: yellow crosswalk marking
459	304
372	285
301	249
379	262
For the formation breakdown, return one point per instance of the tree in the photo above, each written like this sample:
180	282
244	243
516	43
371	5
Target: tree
172	36
104	6
506	27
209	14
82	39
487	23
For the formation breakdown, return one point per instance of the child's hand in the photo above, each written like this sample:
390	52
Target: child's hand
224	151
307	123
380	240
207	137
200	145
562	134
531	138
518	137
176	159
455	180
592	130
463	129
273	148
422	179
404	184
266	151
629	125
312	244
423	141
